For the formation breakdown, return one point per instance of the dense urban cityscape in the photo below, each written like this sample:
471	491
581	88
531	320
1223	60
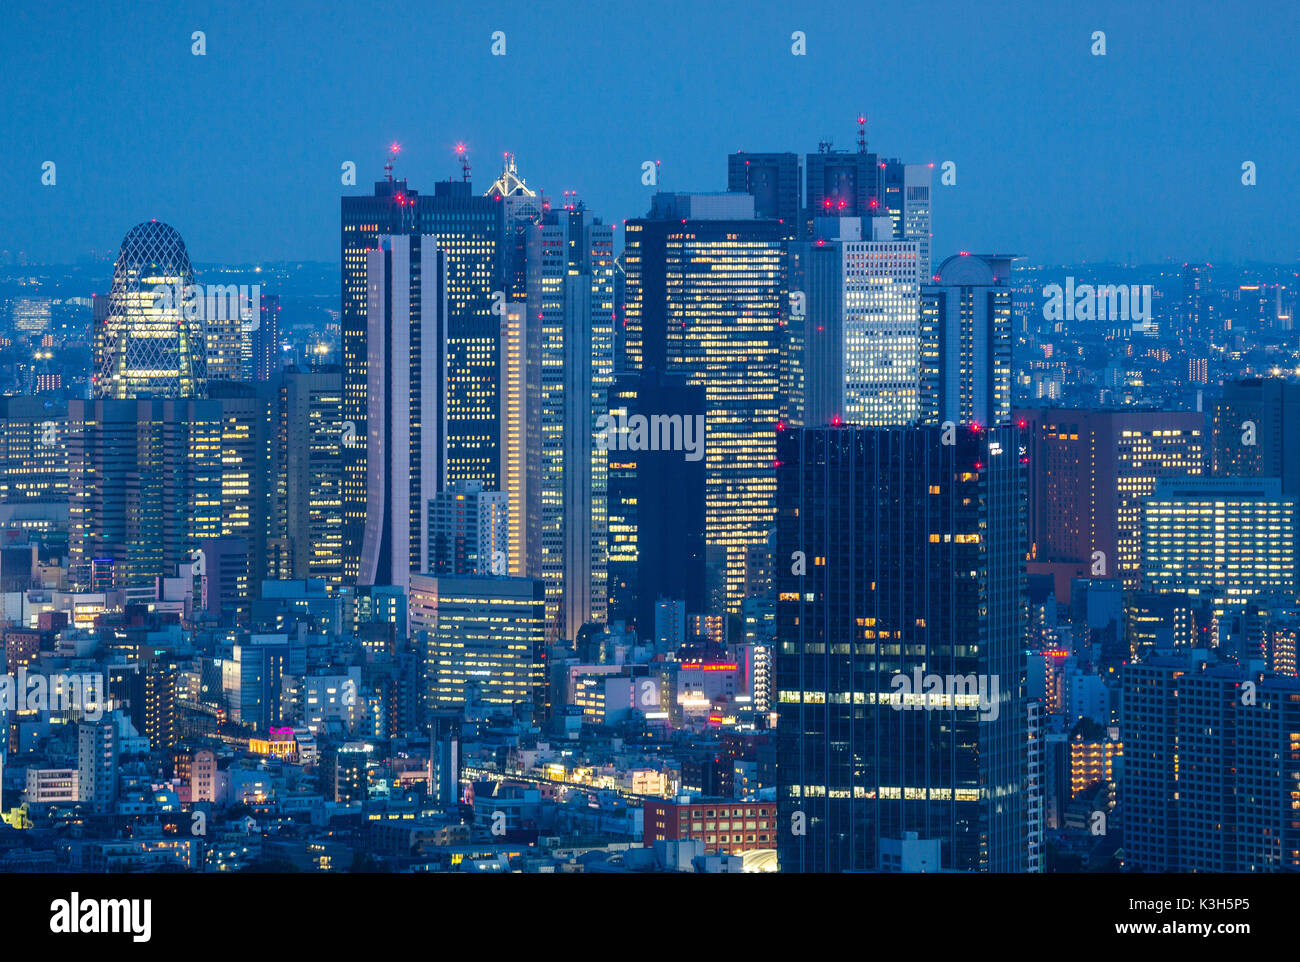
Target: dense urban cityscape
748	531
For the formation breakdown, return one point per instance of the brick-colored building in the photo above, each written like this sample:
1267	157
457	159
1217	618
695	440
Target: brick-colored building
21	646
724	825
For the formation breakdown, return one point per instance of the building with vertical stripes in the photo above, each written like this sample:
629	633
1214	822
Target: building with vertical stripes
570	338
406	390
900	626
966	341
706	292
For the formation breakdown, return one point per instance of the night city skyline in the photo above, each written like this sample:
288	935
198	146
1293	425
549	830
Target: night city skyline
639	440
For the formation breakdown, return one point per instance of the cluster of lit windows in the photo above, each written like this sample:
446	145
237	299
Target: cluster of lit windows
909	793
881	300
1227	550
486	641
723	328
33	458
575	335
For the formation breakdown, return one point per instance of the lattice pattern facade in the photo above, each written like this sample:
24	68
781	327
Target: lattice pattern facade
149	344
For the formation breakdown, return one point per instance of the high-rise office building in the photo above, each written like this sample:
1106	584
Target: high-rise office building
899	630
1198	318
406	421
841	183
469	531
706	287
144	487
570	333
1222	539
1206	783
483	638
521	208
622	510
775	181
33	450
1160	622
229	313
306	513
151	340
467	229
30	315
905	195
656	507
966	341
391	210
1089	474
1254	426
1263	309
1149	724
513	417
226	581
855	294
622	362
260	344
1268	837
864	184
246	466
1035	801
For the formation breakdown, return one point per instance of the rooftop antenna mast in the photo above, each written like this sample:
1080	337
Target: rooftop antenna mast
464	162
862	133
393	150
